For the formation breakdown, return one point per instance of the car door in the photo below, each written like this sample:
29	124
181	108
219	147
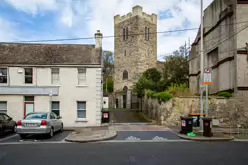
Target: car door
53	121
9	122
3	124
57	121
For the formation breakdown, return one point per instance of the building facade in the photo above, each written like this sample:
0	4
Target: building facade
65	79
225	47
135	51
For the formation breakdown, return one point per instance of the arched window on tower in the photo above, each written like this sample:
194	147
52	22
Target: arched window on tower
125	75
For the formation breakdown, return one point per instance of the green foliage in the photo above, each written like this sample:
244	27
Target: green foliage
163	96
141	85
150	94
225	94
152	74
176	68
109	87
179	90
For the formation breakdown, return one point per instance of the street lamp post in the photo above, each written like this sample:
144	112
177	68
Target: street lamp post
202	66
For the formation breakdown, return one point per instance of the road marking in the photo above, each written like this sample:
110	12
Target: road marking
63	140
159	138
132	138
9	137
31	142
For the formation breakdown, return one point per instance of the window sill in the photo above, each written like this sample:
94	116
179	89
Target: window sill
4	85
53	85
81	120
86	85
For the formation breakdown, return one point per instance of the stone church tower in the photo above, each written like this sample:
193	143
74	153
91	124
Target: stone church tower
135	51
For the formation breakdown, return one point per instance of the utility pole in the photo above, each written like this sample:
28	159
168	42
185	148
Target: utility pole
202	66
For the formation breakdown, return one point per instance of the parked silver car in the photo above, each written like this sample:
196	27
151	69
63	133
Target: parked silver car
39	123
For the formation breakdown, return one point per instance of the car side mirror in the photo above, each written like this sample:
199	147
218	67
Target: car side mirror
10	119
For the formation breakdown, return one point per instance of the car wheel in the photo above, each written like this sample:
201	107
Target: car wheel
1	130
23	136
14	129
51	133
62	128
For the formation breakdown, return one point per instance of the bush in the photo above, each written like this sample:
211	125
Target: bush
225	94
150	94
179	90
163	96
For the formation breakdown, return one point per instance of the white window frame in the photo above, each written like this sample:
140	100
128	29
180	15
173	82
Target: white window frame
82	109
4	110
1	75
55	109
82	76
55	76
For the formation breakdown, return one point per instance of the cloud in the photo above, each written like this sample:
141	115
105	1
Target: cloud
33	6
180	11
81	18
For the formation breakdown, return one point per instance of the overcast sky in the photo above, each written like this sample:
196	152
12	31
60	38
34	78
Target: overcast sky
55	19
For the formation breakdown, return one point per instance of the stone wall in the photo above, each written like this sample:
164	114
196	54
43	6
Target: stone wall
168	113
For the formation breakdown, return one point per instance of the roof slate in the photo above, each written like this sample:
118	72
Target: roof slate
49	54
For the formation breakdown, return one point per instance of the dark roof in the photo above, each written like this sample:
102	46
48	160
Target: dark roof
49	54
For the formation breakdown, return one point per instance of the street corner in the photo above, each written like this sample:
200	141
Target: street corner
200	137
91	136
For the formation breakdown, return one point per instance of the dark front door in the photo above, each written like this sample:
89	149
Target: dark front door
124	101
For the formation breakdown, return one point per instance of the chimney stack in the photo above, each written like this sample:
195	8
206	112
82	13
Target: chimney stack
98	38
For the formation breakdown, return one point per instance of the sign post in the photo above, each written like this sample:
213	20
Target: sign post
207	81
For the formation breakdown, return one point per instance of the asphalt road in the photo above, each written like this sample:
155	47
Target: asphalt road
146	135
13	138
179	153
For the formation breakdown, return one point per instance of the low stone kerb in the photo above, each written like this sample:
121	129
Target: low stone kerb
202	138
84	136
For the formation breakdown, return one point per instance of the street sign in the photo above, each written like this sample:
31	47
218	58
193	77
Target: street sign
207	76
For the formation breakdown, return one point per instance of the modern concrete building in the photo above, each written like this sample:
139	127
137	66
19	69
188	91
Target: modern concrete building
65	79
225	47
135	51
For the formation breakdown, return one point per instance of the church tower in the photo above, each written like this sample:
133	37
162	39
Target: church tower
135	50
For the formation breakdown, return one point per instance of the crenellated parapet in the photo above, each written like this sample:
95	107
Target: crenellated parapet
136	11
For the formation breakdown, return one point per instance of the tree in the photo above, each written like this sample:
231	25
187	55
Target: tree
108	85
108	67
108	64
176	68
152	74
141	85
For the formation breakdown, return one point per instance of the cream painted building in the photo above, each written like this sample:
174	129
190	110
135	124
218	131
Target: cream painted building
66	79
225	47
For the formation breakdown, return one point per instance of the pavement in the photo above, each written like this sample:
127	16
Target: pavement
180	153
127	116
91	135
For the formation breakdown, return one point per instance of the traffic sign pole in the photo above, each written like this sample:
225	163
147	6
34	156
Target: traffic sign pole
207	81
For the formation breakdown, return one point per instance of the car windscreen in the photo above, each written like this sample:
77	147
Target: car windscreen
36	116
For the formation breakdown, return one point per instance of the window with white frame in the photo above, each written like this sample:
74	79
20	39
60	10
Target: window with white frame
28	75
81	109
3	107
56	108
82	76
55	75
3	76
